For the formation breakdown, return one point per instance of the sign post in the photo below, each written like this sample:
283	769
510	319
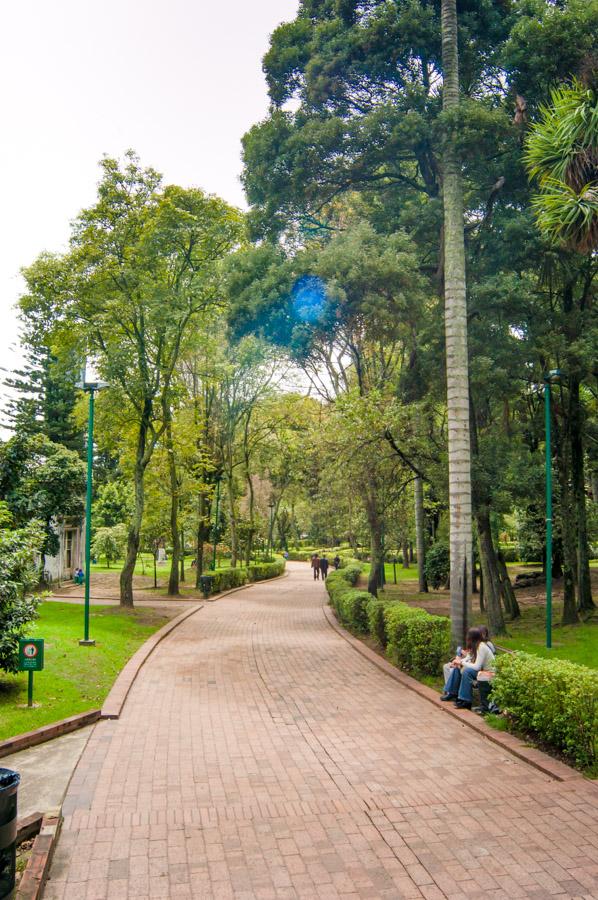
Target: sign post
31	659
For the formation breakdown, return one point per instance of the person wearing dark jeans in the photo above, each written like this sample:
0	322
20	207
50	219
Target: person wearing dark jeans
336	562
459	685
315	564
324	564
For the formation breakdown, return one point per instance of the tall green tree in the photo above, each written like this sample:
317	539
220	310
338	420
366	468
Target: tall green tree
455	318
144	262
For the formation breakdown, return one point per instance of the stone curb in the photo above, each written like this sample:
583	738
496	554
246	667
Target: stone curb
536	758
35	875
48	732
114	702
119	691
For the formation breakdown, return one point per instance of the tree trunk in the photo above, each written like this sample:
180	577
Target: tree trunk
203	533
182	555
584	584
128	569
508	594
173	579
489	566
474	573
457	371
420	536
376	552
405	554
568	530
234	544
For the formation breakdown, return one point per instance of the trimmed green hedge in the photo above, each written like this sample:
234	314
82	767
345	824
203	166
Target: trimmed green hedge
261	571
376	625
225	579
554	699
414	639
349	603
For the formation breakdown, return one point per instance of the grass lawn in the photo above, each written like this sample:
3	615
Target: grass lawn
577	643
409	574
75	678
146	566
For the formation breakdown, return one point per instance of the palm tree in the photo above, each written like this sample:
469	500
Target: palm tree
457	370
561	151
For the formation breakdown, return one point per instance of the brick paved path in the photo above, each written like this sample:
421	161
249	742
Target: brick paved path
260	756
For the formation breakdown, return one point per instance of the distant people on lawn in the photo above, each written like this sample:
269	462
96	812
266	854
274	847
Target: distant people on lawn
463	669
336	561
78	576
315	564
324	564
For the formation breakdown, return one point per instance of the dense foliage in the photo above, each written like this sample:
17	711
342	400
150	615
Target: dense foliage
19	548
555	700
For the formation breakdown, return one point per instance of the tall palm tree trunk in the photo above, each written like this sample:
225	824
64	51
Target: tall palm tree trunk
457	373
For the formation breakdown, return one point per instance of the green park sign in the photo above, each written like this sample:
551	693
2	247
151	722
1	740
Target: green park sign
31	654
31	659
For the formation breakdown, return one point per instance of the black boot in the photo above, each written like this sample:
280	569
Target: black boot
463	704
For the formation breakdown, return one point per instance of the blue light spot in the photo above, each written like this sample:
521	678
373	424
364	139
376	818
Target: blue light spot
309	298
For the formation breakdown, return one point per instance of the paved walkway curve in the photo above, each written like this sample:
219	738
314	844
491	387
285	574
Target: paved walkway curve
259	756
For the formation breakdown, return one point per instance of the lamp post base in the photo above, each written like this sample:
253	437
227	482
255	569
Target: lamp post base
89	643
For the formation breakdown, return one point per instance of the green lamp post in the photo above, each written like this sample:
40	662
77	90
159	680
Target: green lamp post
555	376
90	387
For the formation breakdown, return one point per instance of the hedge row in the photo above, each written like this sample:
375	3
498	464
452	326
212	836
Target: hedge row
553	699
414	639
225	579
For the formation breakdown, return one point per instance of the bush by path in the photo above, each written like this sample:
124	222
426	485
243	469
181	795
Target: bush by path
414	640
226	578
555	700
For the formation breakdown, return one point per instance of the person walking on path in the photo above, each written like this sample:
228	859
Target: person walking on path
315	564
324	564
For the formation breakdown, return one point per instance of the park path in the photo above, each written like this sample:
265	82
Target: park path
259	756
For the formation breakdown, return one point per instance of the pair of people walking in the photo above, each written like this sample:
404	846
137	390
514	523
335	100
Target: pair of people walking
320	564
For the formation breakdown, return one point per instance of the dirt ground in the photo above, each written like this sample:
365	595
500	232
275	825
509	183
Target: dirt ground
105	589
438	602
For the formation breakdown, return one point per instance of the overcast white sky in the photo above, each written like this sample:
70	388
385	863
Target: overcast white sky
179	81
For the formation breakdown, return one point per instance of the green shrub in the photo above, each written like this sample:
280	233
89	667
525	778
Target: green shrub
226	578
437	565
416	640
375	613
554	699
349	603
261	571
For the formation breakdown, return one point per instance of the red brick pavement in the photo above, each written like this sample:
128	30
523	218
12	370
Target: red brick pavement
259	756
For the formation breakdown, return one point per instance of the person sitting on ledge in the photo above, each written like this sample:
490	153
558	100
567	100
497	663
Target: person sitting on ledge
464	670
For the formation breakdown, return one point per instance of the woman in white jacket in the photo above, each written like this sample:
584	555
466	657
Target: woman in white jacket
479	656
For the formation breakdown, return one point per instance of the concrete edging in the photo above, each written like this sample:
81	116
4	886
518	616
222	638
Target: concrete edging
552	767
114	702
48	732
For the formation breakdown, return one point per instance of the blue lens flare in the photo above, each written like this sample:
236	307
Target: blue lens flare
308	297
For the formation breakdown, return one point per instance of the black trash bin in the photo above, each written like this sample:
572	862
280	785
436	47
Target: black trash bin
9	785
205	583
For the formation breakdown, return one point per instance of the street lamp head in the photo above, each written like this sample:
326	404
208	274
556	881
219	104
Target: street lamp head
271	504
555	376
95	385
